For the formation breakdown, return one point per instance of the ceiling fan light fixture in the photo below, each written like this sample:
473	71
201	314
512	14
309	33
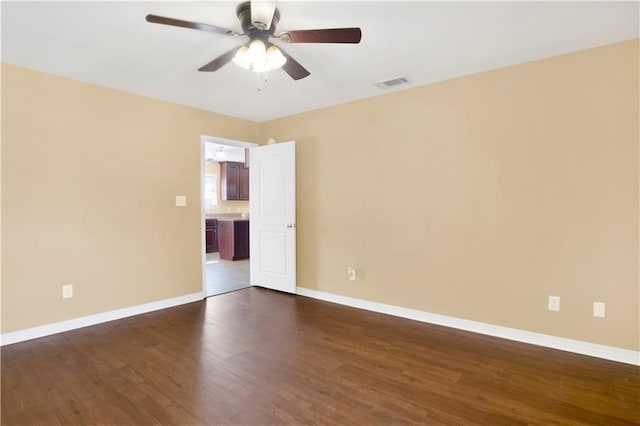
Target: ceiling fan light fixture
258	58
221	154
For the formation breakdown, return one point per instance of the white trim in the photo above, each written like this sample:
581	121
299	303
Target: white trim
203	215
585	348
228	142
72	324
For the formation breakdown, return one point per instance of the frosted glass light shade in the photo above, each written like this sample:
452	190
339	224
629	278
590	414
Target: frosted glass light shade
242	57
258	55
275	58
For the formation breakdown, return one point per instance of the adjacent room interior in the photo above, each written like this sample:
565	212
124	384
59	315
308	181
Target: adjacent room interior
226	211
466	229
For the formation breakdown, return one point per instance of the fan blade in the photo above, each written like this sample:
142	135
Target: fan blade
293	67
220	61
155	19
331	35
262	13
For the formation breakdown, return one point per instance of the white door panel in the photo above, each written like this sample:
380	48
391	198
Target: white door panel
271	245
273	216
273	188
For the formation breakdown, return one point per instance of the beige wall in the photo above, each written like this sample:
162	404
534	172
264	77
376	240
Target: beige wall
478	197
89	179
224	207
475	198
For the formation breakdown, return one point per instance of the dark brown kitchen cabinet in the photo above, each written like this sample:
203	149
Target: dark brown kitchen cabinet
211	235
233	237
234	181
243	185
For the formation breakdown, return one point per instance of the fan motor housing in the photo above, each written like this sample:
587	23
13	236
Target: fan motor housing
243	11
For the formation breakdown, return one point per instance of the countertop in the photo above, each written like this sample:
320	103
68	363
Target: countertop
227	217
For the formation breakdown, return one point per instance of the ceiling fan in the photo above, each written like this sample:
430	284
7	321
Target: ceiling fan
258	19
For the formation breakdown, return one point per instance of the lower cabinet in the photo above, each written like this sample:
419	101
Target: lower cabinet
211	235
233	239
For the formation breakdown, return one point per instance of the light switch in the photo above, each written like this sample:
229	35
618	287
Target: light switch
181	200
67	291
554	303
598	309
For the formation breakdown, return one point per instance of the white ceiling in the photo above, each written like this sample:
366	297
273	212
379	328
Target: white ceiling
110	44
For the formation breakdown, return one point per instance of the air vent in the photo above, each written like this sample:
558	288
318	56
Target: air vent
394	82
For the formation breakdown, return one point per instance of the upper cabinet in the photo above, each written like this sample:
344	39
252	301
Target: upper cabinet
234	181
243	186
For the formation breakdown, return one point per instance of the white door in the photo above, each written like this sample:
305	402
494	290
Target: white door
272	179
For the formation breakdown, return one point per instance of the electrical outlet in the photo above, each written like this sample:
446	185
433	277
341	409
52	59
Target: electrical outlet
181	200
67	291
598	309
554	303
351	273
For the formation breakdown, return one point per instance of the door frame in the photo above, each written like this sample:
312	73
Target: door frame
222	141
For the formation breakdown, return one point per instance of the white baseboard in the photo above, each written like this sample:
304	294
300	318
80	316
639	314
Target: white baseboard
72	324
585	348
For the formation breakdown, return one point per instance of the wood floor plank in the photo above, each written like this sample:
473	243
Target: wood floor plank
256	356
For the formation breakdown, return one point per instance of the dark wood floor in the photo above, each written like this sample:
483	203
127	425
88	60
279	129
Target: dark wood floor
256	357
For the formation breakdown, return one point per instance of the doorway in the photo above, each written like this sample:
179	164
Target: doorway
225	207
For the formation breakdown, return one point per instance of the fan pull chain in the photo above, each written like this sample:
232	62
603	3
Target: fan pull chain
266	79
